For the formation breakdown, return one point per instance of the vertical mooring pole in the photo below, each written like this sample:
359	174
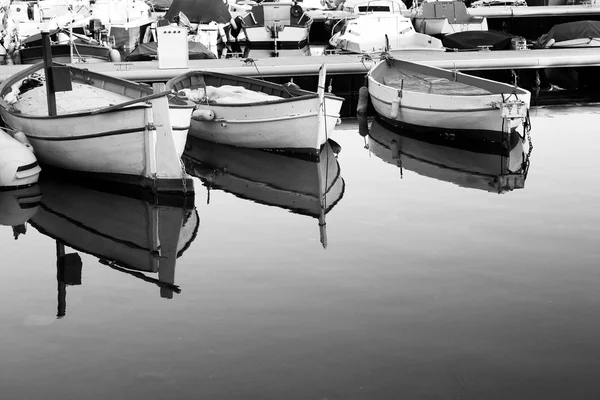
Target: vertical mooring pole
47	54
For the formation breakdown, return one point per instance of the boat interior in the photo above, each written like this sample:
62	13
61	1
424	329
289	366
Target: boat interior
424	79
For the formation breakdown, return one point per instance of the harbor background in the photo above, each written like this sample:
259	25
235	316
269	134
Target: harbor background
426	290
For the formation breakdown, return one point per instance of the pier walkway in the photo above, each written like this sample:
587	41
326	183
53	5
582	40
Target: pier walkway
346	64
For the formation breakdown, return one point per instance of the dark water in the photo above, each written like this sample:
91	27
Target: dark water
432	285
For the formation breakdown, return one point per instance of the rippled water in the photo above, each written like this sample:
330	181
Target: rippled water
432	285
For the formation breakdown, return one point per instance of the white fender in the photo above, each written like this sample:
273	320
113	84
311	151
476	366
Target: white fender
203	115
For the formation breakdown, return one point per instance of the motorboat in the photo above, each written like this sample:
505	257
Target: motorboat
379	26
441	17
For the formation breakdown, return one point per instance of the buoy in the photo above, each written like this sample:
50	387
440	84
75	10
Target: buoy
114	55
363	125
291	85
363	101
203	115
16	58
18	165
395	107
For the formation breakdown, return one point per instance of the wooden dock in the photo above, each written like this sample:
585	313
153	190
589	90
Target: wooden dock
148	71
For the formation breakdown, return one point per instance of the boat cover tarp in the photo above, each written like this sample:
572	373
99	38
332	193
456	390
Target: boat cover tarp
147	52
570	31
227	94
471	40
161	4
200	11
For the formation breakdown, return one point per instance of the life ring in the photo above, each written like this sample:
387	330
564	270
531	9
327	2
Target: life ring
296	11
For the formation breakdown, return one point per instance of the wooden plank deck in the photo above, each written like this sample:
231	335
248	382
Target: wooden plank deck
346	64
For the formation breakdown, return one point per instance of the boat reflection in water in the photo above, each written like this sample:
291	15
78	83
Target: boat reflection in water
125	232
18	206
309	187
467	163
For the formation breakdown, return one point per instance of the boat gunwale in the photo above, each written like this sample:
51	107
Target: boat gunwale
6	87
495	88
297	94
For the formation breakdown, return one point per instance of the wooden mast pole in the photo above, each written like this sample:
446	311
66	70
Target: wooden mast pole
47	54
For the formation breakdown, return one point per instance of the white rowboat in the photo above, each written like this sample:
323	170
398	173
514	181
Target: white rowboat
108	128
295	120
422	97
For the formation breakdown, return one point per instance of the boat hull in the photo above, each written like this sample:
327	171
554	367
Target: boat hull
126	143
290	38
441	26
473	114
293	126
292	119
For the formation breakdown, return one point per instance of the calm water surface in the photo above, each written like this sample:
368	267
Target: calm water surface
427	289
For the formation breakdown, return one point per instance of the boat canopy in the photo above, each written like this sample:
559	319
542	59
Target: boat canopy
147	52
473	40
569	31
200	11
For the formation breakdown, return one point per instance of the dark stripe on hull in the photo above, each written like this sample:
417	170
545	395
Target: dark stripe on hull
16	187
169	192
270	45
28	166
479	134
92	136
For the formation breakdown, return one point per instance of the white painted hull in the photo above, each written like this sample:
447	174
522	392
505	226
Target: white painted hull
18	164
441	26
290	38
478	113
283	126
288	119
132	144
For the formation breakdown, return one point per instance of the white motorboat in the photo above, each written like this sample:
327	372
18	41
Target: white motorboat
441	17
379	26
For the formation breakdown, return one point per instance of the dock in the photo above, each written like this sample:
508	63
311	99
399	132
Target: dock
351	64
535	11
488	12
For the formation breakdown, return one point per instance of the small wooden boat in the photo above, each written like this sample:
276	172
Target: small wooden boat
288	119
423	97
307	187
109	128
466	163
124	231
18	165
